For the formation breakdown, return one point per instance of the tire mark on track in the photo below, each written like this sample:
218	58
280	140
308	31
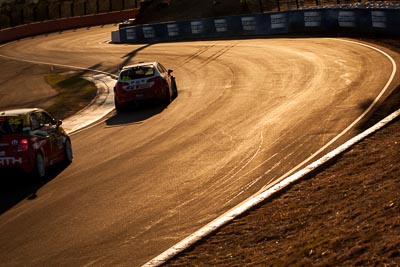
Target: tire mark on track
216	55
196	55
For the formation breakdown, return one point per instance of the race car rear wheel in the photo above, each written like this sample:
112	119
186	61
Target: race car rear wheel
68	152
174	88
118	107
167	97
40	166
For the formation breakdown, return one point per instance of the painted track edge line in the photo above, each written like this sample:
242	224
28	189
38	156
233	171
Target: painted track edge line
262	196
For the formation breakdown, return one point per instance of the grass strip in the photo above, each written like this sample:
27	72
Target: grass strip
74	93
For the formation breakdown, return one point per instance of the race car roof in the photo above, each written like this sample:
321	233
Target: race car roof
16	112
139	64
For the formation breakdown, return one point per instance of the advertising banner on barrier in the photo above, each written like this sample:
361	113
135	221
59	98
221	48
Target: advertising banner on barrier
173	30
347	18
197	27
221	25
248	23
298	21
278	21
312	19
378	19
148	32
131	34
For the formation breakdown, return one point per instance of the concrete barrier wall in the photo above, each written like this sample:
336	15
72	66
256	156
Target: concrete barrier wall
14	33
385	21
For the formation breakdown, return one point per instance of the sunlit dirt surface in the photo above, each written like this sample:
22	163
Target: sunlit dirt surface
145	179
346	215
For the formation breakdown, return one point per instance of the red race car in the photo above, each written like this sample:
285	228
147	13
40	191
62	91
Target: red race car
144	81
31	139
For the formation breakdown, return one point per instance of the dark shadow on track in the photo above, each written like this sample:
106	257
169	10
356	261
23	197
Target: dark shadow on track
384	108
17	186
128	57
136	114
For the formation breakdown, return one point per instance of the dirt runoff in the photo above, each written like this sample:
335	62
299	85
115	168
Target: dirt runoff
346	215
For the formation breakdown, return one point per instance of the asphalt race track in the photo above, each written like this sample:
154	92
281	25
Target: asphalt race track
248	111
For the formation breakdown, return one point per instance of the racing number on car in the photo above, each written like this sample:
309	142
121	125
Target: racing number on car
14	122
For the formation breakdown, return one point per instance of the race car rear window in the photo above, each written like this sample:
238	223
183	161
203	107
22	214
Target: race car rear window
137	73
10	125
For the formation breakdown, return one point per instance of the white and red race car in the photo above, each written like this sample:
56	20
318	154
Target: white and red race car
144	81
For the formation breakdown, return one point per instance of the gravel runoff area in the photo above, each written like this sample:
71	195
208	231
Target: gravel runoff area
345	215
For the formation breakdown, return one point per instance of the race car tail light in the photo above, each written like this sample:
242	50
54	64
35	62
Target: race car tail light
119	87
23	145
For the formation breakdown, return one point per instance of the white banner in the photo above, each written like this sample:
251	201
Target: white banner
378	19
278	21
197	27
130	34
249	23
148	32
173	29
347	19
312	19
221	25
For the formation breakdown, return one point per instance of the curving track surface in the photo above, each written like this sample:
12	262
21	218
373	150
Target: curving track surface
248	111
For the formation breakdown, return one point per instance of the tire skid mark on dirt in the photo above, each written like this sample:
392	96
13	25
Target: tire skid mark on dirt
217	54
196	55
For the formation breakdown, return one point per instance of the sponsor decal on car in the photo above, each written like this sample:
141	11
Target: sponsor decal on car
5	161
14	121
37	145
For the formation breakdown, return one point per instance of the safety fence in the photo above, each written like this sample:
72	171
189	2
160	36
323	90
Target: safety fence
260	6
357	20
14	33
15	13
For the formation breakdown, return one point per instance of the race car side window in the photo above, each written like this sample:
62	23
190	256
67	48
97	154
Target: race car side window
125	76
149	72
34	121
46	120
4	126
